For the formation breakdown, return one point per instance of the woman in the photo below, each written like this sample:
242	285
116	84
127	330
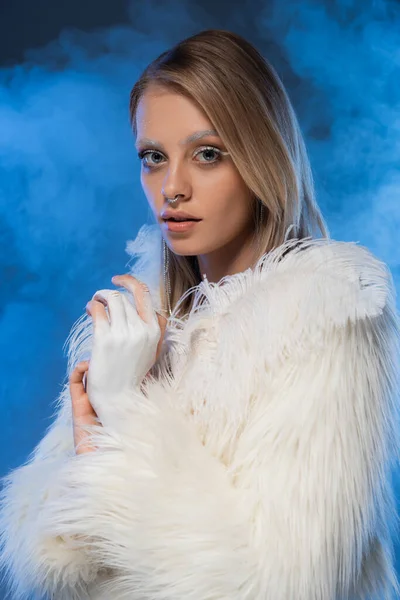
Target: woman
253	461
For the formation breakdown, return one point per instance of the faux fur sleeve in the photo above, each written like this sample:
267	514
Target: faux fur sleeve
31	560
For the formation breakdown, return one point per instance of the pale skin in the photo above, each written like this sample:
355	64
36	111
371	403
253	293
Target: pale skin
209	188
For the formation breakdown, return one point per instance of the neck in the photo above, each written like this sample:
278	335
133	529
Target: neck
235	257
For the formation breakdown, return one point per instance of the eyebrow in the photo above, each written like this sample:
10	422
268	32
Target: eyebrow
189	139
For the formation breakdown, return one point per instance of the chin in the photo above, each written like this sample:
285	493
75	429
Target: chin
184	249
184	246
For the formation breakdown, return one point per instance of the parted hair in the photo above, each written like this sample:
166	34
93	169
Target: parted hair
244	98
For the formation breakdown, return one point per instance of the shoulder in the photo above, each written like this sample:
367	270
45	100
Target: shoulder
331	279
303	291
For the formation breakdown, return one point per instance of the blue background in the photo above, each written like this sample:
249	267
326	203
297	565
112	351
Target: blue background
70	195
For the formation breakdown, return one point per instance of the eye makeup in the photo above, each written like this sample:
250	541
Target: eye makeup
142	154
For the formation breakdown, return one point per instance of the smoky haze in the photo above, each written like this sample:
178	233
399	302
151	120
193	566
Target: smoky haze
70	194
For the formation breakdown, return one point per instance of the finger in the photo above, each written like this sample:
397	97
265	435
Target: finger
80	401
146	305
97	310
141	294
116	308
132	314
77	374
99	316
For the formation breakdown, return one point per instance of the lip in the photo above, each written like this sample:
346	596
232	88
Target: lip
179	226
177	214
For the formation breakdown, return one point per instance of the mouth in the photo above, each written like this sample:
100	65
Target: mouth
178	226
173	220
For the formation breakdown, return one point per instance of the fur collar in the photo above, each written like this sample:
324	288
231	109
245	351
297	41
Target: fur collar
318	268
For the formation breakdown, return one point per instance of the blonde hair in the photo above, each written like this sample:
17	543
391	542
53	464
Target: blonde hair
244	98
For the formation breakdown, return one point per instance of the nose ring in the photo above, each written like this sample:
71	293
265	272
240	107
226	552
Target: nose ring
172	200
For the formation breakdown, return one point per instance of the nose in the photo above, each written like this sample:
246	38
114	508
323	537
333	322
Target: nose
176	183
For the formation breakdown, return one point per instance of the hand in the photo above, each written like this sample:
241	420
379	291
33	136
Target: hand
124	347
83	412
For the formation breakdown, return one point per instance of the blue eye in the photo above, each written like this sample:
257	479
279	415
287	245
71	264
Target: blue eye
143	154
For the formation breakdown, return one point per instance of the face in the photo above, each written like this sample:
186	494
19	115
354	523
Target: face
209	185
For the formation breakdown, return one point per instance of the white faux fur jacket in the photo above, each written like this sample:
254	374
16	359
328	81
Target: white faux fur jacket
256	466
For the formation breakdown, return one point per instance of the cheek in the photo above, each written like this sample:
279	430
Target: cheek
231	197
145	183
150	190
235	213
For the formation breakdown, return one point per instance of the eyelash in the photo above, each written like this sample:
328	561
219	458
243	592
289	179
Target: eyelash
143	153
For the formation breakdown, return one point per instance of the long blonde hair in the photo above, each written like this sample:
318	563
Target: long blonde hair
244	98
